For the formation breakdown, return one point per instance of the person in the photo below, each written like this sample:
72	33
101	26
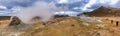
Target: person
0	23
117	23
111	21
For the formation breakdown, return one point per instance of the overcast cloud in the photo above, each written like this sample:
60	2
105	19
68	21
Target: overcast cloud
6	6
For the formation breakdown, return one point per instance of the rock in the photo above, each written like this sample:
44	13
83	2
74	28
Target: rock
15	21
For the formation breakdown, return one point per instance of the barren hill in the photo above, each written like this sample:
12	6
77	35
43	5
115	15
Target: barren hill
104	12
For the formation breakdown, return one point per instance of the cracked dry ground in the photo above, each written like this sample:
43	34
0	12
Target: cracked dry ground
62	26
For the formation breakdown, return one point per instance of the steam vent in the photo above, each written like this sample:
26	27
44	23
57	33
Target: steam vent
15	21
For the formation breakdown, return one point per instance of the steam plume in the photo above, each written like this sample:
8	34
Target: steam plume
41	9
110	3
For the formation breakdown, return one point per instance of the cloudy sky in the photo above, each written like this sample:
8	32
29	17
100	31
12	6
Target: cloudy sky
8	7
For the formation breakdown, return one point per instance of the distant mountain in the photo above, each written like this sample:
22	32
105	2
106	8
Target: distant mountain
5	18
104	11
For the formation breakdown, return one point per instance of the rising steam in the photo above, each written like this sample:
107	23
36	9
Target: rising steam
41	9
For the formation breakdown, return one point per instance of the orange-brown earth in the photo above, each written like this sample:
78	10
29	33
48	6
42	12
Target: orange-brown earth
63	26
69	26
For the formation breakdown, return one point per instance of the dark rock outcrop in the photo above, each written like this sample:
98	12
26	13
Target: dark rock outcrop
15	21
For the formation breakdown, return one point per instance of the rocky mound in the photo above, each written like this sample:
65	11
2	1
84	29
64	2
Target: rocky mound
104	11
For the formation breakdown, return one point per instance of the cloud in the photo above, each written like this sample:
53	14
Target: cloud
4	11
110	3
12	3
88	5
117	5
8	5
68	1
72	5
2	7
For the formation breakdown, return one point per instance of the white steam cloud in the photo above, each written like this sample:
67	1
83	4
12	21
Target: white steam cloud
42	9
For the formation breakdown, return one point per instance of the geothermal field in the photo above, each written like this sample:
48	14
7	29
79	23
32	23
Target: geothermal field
87	24
59	18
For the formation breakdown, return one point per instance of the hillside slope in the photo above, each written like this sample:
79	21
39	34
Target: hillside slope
104	12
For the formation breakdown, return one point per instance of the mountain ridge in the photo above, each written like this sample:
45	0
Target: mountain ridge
104	12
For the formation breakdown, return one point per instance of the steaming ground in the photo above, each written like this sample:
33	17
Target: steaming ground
59	26
39	9
64	26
